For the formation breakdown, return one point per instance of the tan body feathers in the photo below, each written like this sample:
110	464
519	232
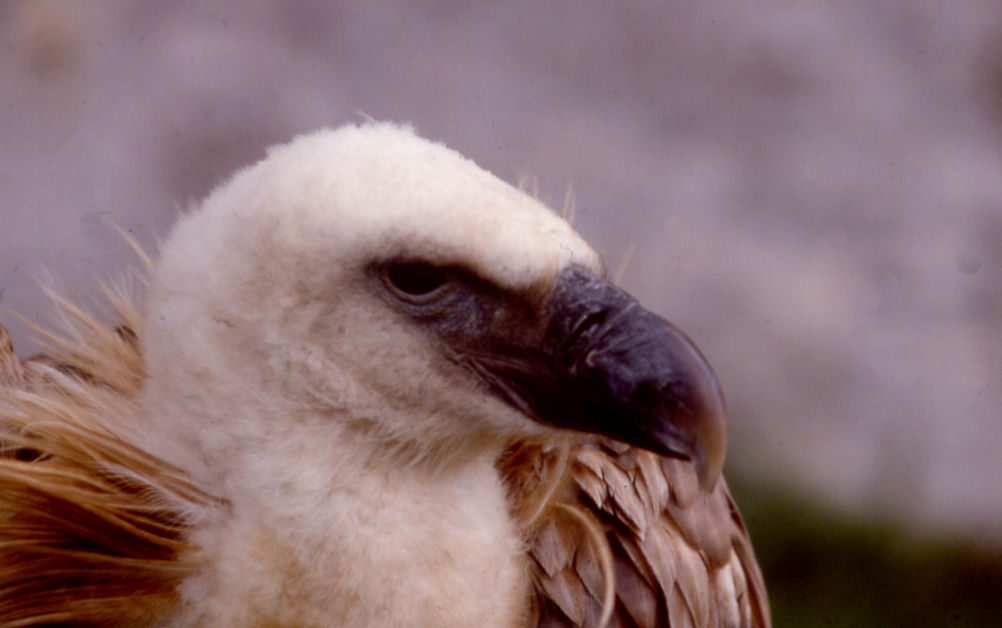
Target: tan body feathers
679	557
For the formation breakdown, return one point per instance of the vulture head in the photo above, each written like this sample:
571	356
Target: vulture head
367	286
340	407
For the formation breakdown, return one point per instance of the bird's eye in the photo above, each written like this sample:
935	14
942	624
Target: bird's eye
416	281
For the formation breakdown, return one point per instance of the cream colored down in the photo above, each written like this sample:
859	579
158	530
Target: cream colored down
354	458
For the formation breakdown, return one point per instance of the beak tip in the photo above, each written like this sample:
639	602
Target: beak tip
708	471
710	447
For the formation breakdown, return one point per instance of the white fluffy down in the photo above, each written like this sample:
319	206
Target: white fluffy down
352	457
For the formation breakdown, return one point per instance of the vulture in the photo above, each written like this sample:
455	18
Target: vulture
367	383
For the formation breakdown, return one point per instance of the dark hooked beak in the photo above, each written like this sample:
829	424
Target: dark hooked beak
610	367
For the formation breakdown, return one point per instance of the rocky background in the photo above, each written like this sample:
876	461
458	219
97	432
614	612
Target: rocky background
812	190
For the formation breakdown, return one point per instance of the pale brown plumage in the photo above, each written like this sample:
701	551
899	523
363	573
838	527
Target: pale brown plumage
92	530
90	527
679	557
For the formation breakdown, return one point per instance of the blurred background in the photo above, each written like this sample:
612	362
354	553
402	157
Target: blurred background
812	190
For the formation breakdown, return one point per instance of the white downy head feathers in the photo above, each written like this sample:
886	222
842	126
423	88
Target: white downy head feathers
262	299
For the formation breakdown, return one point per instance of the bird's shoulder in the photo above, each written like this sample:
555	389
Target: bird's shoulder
91	527
613	528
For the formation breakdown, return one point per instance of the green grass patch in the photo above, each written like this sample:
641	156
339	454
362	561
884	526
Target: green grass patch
823	567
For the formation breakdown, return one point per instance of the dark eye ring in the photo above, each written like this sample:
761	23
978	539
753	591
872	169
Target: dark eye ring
416	281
